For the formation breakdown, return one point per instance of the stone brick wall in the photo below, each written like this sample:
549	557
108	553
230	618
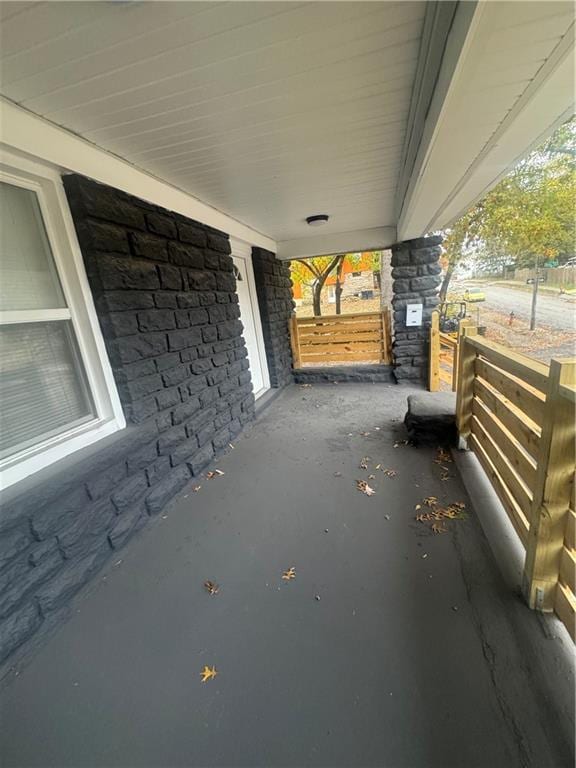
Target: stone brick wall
416	275
274	289
165	295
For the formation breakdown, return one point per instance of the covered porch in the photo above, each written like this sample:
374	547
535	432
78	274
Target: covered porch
392	646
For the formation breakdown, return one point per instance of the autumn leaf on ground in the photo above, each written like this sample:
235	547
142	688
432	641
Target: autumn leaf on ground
211	587
214	473
364	434
371	477
363	486
289	574
390	472
430	501
442	457
399	443
196	488
208	673
364	462
305	386
438	528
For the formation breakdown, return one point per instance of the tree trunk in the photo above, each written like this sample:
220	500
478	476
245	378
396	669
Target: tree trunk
446	281
316	293
339	285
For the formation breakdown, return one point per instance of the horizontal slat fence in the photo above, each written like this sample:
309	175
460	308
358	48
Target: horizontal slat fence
517	415
358	338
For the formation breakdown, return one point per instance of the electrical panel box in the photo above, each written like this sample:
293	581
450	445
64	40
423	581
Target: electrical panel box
414	314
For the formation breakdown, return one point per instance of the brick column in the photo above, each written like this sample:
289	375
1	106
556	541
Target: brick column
416	275
274	289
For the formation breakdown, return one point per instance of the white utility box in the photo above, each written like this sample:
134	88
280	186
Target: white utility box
414	314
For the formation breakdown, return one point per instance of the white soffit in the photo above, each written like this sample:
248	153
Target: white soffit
342	242
266	111
513	83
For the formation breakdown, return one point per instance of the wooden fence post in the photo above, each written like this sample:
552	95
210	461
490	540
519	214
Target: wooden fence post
386	336
434	359
463	323
465	392
294	342
551	496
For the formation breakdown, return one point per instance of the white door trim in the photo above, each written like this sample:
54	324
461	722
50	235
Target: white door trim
243	250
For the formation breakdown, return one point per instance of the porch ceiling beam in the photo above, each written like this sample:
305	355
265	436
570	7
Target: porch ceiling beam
454	165
377	238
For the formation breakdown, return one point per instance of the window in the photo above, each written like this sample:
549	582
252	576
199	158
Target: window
56	388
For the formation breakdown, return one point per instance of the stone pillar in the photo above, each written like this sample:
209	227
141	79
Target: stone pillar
416	274
274	289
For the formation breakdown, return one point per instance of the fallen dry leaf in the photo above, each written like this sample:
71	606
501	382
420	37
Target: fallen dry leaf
289	574
363	486
305	386
230	446
196	488
430	501
364	434
364	462
390	472
438	528
214	473
208	673
211	588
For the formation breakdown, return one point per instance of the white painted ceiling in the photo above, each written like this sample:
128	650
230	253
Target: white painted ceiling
268	111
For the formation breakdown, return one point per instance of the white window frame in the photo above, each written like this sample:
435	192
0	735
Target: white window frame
46	182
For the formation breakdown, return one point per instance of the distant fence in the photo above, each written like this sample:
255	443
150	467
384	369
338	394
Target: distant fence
558	278
518	416
358	338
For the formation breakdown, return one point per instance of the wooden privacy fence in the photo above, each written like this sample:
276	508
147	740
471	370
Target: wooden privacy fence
443	358
518	416
360	338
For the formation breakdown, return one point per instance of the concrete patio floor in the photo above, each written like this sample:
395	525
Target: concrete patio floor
416	653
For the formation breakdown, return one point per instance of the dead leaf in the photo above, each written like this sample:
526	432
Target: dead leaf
430	501
305	386
289	574
230	446
438	528
378	466
418	506
371	477
364	462
196	488
363	486
211	588
215	473
390	472
208	673
364	434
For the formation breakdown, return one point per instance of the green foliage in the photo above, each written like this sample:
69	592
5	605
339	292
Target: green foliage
528	216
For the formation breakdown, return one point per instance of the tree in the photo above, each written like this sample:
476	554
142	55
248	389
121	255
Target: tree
319	268
313	273
528	216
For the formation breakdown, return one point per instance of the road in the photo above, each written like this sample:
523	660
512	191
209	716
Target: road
552	311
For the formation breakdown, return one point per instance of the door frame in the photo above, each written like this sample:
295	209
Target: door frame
242	250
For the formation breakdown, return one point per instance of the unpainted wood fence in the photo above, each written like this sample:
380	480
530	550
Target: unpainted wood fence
518	416
359	338
443	355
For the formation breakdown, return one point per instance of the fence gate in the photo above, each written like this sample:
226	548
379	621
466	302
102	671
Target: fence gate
360	338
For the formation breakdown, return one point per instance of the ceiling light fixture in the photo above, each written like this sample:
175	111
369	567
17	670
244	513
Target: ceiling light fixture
318	220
